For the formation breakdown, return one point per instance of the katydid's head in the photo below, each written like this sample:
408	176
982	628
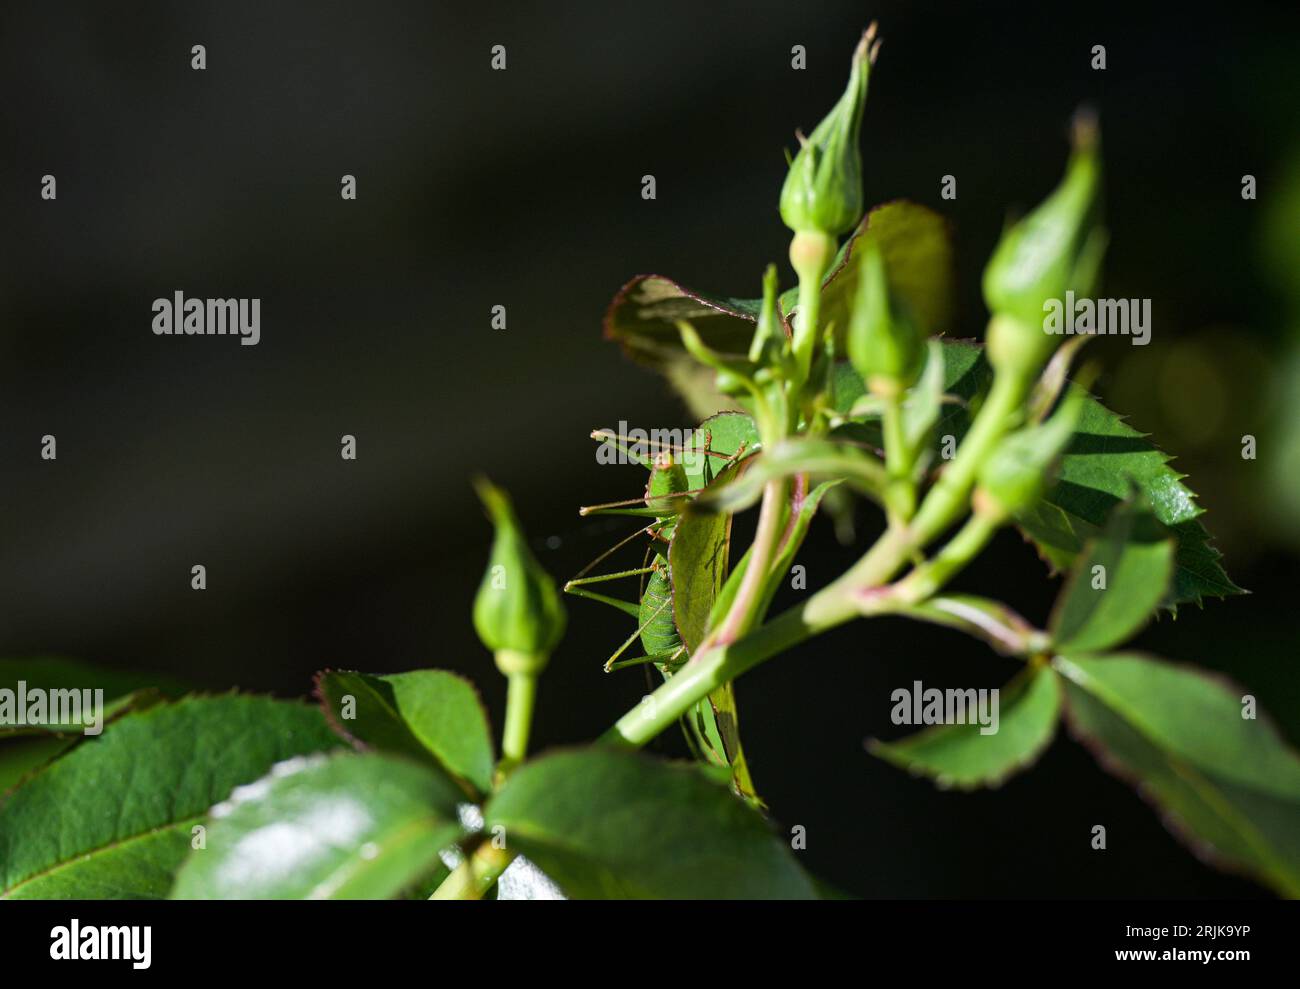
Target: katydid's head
518	612
667	485
823	189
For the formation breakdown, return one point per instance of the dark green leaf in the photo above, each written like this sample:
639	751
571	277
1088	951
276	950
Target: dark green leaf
966	375
1226	784
24	755
1099	610
325	827
727	433
916	246
26	749
122	690
431	715
56	671
698	559
112	819
605	823
958	755
1105	457
643	318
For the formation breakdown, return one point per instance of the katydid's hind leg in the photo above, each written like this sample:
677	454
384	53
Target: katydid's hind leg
578	588
599	578
672	658
627	607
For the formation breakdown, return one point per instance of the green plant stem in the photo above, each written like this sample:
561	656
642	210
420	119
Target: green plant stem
475	875
744	610
811	254
521	693
986	619
708	671
713	667
928	578
950	496
809	315
900	491
763	412
923	582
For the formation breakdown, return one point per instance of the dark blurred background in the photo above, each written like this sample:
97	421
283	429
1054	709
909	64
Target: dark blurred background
522	188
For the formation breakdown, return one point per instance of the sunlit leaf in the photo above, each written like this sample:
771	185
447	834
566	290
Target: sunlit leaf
605	823
427	714
1118	582
962	756
323	827
1226	783
113	818
1104	460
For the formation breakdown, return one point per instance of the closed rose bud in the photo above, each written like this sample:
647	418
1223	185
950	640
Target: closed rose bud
823	189
884	345
1055	249
518	612
1022	466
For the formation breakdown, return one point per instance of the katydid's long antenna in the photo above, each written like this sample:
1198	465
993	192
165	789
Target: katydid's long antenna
644	499
620	442
613	549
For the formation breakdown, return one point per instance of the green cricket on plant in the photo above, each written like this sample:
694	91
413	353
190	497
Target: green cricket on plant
842	386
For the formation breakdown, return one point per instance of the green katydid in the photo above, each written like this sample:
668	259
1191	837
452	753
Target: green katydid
671	615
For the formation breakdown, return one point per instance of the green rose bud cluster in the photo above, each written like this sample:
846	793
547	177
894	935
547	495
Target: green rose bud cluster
518	612
1056	248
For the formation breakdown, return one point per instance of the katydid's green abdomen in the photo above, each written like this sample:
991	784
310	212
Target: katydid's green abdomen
660	632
